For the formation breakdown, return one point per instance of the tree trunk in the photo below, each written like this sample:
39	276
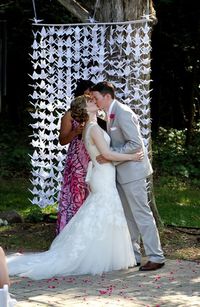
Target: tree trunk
121	10
75	9
108	11
190	103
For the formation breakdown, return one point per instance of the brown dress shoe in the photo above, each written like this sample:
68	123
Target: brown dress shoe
151	266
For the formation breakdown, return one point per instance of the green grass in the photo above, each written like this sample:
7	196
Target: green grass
15	195
178	202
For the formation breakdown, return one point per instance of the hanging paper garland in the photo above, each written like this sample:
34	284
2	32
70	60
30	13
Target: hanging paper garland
119	53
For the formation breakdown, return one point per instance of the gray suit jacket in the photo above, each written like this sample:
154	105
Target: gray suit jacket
124	130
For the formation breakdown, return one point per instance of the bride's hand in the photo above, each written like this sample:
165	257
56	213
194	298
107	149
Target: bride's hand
138	156
101	160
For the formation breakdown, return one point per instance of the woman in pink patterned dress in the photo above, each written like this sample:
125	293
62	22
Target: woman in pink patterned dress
74	189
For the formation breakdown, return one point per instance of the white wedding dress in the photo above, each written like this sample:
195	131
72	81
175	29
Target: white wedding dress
96	239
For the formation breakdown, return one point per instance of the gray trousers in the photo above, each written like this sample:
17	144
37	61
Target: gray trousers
140	220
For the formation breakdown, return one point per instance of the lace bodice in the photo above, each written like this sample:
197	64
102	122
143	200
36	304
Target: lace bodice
91	148
99	176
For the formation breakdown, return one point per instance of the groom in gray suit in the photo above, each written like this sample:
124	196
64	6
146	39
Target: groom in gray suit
124	130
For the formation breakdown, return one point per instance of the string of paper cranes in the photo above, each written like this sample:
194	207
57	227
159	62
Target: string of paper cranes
60	56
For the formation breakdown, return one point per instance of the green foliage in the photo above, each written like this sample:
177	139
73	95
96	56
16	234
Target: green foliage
14	150
35	215
172	157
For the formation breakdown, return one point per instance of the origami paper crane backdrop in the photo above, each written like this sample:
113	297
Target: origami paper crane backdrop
61	55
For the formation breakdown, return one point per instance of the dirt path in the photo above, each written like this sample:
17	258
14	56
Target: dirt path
176	284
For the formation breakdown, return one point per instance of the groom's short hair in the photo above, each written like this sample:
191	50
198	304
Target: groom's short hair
104	87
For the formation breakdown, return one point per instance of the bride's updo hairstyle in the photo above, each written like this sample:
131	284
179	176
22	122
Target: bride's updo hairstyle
78	108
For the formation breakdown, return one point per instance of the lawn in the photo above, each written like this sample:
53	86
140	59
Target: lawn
178	203
15	195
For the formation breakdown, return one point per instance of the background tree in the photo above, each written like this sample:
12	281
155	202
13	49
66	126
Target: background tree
175	66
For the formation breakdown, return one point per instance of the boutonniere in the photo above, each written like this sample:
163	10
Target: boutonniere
112	116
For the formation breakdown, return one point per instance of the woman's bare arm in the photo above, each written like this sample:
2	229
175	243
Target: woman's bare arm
66	133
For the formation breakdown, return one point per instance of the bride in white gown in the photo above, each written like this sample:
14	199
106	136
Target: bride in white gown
97	238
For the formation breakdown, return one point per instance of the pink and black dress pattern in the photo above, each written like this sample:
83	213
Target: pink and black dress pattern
74	189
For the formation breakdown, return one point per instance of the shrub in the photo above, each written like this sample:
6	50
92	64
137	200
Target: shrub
14	149
172	157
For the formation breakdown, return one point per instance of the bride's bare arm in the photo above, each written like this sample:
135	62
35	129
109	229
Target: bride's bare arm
98	139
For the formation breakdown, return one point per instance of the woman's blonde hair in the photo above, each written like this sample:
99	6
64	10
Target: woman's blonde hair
78	108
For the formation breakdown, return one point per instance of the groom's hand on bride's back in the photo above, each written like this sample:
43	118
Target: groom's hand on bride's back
138	156
101	160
